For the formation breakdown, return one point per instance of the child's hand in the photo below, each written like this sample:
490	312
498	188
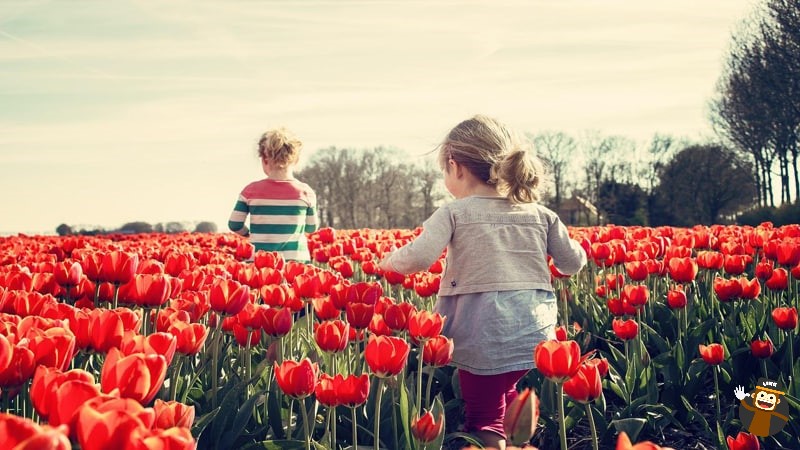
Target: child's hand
385	265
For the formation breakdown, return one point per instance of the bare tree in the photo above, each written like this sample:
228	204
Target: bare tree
557	149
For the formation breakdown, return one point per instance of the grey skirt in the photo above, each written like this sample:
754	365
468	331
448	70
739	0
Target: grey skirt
496	332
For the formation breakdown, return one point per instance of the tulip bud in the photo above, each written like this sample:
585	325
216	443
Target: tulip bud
521	417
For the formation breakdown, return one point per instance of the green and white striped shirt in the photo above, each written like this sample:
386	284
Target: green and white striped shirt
281	213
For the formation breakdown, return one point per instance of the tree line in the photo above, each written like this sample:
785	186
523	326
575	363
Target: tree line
757	104
138	227
671	182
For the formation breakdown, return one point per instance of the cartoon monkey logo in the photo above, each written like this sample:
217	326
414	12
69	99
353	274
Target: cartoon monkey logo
762	411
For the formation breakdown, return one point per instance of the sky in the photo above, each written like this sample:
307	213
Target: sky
114	112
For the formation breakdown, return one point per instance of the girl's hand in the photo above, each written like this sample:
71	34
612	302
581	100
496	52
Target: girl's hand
385	265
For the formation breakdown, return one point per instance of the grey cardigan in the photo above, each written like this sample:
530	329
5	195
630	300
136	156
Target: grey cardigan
492	245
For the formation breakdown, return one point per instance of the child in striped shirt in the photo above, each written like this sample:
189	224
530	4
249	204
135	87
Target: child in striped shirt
282	209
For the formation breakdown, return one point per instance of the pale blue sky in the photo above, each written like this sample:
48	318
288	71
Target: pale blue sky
115	111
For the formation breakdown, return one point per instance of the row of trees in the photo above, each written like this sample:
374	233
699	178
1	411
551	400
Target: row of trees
757	106
663	182
139	227
377	188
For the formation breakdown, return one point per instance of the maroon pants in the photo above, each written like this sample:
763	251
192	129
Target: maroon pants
486	398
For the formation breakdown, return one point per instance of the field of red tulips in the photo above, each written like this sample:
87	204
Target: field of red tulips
189	341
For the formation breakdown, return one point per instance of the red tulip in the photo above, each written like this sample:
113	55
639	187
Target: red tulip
6	352
173	414
190	337
68	273
586	385
713	354
743	441
521	418
620	307
426	428
176	438
325	391
751	289
297	379
557	360
332	335
764	269
228	297
710	260
601	363
437	351
244	251
353	390
683	270
561	333
386	355
676	298
625	329
275	322
324	308
18	433
19	369
394	278
273	260
762	349
308	285
636	270
378	326
635	294
137	376
106	328
53	347
359	315
118	267
46	381
727	289
788	252
785	318
396	315
105	430
159	343
175	263
735	264
424	324
149	290
779	281
242	335
624	443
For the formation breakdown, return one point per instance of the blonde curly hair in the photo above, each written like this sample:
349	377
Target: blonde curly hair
280	147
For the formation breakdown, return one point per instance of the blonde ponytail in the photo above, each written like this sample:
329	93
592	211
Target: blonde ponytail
496	155
519	175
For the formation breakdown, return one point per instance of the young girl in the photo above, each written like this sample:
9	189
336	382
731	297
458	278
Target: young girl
281	208
496	291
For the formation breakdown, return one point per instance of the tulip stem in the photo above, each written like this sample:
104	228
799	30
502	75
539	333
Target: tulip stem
305	423
790	337
354	427
215	361
716	393
116	296
428	389
377	428
176	375
333	427
592	426
419	376
561	425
